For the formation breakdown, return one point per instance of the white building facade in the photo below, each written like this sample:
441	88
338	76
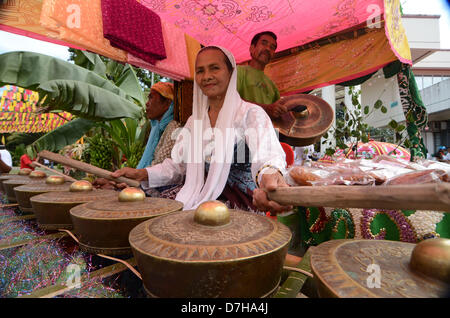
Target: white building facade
431	68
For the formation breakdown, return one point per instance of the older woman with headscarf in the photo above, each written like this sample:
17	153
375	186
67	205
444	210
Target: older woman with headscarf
159	110
227	145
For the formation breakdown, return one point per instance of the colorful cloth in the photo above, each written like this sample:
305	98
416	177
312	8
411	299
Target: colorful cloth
79	22
395	31
158	127
180	48
414	110
134	28
255	86
332	61
316	225
18	112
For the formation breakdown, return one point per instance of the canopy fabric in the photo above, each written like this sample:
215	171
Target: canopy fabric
78	24
233	23
22	17
228	23
395	32
18	112
331	63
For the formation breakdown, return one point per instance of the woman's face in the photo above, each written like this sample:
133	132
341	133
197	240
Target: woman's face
155	107
211	73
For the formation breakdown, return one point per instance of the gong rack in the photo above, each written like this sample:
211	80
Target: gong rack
293	280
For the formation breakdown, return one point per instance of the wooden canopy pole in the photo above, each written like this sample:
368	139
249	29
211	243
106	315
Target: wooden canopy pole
435	196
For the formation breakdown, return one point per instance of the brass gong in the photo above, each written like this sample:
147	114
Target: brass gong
26	191
185	254
4	177
102	226
10	184
377	268
308	119
52	209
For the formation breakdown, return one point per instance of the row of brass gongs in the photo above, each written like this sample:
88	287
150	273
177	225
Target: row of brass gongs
165	241
180	247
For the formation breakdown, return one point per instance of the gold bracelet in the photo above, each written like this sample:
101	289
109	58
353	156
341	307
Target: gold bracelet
262	168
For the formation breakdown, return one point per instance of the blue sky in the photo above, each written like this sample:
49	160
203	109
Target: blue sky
11	42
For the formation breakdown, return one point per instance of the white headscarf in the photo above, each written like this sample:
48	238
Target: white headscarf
195	189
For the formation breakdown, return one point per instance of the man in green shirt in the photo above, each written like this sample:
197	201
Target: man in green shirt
252	84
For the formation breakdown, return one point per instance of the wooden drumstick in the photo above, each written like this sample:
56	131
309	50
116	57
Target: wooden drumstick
432	196
86	168
69	178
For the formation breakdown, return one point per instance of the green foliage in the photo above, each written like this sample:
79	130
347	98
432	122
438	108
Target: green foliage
350	126
99	151
101	92
86	101
129	137
17	138
64	135
19	150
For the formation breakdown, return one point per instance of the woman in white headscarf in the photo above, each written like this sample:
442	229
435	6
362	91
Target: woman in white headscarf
227	144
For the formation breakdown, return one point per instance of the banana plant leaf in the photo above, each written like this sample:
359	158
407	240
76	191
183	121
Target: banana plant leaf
90	61
86	100
29	70
129	82
64	135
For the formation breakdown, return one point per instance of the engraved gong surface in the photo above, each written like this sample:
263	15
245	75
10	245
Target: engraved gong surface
10	176
178	237
370	268
318	120
43	187
74	197
114	209
22	181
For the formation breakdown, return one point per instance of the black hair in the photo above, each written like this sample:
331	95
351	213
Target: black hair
258	35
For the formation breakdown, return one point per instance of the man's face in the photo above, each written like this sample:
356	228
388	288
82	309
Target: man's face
264	49
155	107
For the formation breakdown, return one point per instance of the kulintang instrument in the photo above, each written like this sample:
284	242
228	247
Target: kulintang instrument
52	209
102	226
23	193
10	184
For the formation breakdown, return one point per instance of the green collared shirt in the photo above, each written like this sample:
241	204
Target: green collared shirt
254	86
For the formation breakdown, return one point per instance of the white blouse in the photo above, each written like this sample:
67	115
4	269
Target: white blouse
252	125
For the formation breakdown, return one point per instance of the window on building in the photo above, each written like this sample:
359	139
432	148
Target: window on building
427	81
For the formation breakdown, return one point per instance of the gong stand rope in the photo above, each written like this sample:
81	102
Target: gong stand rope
108	257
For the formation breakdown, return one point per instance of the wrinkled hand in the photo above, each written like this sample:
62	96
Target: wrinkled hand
102	183
135	174
269	182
